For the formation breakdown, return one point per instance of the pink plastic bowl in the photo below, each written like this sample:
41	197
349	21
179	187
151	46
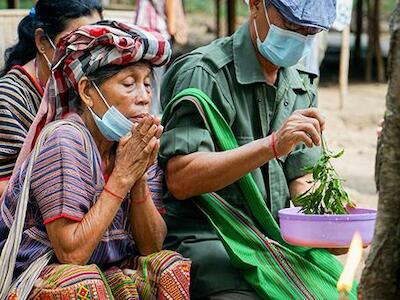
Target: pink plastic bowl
326	231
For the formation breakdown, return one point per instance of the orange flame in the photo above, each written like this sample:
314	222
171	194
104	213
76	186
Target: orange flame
345	282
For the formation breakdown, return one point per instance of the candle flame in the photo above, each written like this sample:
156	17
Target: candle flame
345	282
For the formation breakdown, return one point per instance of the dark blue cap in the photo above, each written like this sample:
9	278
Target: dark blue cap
312	13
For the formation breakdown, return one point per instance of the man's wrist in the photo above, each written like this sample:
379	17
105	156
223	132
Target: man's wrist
270	146
273	145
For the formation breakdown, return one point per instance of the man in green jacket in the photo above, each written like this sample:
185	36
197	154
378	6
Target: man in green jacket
269	103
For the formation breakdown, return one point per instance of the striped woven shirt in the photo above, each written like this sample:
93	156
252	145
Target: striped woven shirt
66	183
20	98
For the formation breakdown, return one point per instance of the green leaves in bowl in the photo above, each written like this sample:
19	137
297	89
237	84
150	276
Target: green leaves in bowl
326	195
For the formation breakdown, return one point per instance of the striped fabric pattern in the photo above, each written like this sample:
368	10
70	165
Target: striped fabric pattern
155	176
123	286
71	282
64	184
62	177
20	98
164	275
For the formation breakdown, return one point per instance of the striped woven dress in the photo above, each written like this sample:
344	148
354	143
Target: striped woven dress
65	184
20	97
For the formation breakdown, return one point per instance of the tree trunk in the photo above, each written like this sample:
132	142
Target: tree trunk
231	6
380	278
13	3
359	31
218	17
368	71
380	67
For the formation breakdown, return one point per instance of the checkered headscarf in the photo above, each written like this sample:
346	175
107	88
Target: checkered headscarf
82	52
93	46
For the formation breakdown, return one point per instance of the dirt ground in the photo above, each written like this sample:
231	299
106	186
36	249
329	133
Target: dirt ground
354	129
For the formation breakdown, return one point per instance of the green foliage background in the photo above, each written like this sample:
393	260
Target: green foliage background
388	5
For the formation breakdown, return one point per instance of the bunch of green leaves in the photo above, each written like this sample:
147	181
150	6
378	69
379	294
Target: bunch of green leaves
326	195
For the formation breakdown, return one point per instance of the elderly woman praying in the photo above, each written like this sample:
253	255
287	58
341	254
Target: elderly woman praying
93	221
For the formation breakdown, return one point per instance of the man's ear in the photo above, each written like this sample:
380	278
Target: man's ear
85	90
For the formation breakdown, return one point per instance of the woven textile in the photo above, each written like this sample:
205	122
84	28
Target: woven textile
69	190
71	282
20	97
78	54
163	275
170	283
275	269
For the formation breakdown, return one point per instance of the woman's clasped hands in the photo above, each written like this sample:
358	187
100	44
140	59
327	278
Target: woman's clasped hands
138	151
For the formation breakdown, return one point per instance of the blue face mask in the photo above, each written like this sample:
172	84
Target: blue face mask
283	48
113	125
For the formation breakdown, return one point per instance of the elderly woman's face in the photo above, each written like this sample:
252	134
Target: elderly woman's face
129	91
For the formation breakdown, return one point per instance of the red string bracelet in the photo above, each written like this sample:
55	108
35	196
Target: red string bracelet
273	144
113	194
143	200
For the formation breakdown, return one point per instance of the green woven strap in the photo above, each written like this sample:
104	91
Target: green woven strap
217	125
275	269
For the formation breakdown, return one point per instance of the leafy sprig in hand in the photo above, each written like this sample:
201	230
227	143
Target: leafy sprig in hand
326	195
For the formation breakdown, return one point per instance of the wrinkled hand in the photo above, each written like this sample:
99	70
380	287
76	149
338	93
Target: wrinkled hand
304	126
135	153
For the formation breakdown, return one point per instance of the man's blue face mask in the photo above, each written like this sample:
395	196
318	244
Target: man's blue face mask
113	125
282	47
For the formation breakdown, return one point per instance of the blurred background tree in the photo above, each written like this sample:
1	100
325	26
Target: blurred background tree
380	277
